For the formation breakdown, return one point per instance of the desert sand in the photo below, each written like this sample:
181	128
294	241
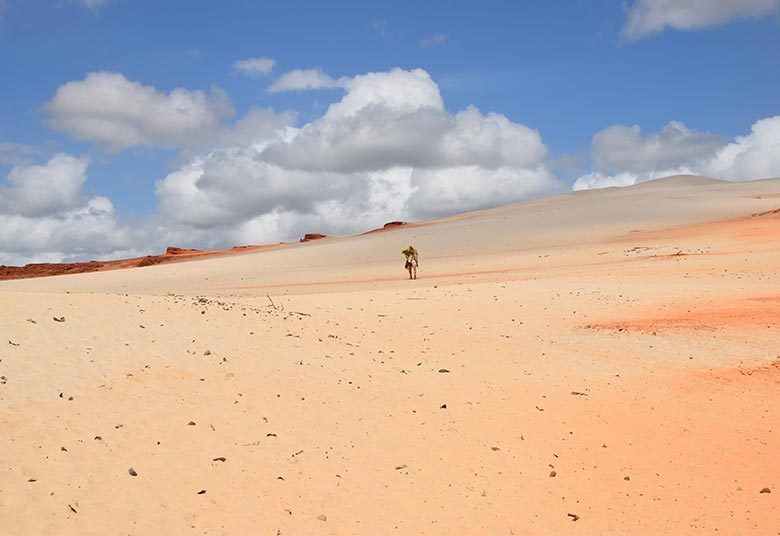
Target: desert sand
602	362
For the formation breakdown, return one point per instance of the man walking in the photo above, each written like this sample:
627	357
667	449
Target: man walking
412	261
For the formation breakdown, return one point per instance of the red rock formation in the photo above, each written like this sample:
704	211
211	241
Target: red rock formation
312	236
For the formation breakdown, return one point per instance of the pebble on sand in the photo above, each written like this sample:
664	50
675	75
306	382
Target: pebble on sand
132	472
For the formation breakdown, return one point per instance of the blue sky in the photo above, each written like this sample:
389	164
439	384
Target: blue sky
566	70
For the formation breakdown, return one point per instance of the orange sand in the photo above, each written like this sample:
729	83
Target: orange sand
625	341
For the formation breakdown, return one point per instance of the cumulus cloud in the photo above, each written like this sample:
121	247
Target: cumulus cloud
116	113
45	216
254	67
626	157
304	79
397	118
37	190
646	17
387	150
624	148
754	156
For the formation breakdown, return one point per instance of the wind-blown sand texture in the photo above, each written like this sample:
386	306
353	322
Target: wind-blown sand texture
603	362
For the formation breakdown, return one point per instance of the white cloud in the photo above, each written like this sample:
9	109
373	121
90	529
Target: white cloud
445	191
116	113
754	156
435	39
387	150
397	118
646	17
45	217
254	67
303	79
632	158
624	148
37	190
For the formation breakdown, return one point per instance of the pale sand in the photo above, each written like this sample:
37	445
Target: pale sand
577	341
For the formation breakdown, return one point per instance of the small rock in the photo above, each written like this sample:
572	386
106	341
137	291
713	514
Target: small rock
626	478
207	352
322	517
552	474
132	472
60	319
495	449
191	423
201	492
32	480
443	370
765	490
443	406
219	459
574	517
72	509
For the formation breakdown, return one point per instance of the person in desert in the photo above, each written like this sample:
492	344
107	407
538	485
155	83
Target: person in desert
412	261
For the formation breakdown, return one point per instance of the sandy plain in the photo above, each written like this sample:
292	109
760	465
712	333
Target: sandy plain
602	362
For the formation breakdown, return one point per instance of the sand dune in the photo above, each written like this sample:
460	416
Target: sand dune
604	362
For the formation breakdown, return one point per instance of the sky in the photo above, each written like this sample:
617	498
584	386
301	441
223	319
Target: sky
130	125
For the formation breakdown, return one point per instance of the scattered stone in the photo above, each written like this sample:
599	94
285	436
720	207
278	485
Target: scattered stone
401	467
495	449
574	517
118	426
98	438
270	435
578	393
12	343
322	517
72	509
443	406
765	490
32	480
626	478
201	492
207	352
191	423
132	472
552	474
60	319
443	370
219	459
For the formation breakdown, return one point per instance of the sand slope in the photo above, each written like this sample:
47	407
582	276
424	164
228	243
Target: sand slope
624	340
